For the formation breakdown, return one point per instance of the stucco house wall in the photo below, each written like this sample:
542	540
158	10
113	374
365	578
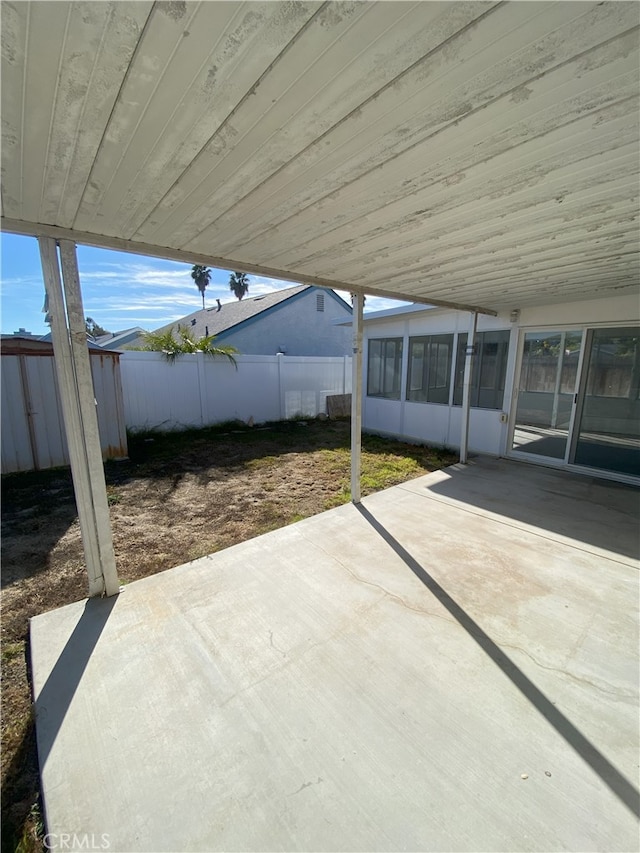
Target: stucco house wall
295	327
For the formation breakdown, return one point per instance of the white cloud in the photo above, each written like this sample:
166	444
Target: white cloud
20	281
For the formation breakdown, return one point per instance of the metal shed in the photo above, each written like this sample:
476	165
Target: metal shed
33	435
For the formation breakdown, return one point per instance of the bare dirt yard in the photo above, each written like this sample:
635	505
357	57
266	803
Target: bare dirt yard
178	497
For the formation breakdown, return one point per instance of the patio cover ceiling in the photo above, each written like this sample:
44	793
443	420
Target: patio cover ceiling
477	153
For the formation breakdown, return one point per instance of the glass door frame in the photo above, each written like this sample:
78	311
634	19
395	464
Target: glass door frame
572	438
587	330
511	452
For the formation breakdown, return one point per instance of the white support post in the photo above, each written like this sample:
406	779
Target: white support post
73	370
356	398
466	388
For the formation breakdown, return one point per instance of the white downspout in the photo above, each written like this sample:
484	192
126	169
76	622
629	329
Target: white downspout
73	369
356	398
466	388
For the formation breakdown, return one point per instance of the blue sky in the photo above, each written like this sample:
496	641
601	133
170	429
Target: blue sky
119	290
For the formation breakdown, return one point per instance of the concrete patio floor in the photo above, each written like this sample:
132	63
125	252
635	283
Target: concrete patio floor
451	666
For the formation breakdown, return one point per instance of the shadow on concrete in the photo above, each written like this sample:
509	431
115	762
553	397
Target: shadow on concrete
600	513
612	778
58	690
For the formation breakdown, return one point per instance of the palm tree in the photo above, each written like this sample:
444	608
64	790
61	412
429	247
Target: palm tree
239	284
184	344
202	276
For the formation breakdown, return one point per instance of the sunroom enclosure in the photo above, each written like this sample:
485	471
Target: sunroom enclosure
558	385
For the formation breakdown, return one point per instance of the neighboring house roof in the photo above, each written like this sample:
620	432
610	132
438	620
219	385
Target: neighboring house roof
415	308
391	313
110	341
229	315
15	345
115	340
22	333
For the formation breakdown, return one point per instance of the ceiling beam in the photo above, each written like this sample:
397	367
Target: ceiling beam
36	229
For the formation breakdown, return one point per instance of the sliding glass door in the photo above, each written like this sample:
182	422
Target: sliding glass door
607	434
578	399
546	393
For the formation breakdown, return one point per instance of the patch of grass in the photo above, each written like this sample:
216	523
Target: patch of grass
262	462
113	497
339	499
11	651
32	839
379	470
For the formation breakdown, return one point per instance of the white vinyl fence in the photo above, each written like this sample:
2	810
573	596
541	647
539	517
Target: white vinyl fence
197	390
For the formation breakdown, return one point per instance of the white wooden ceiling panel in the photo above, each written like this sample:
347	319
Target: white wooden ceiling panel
318	83
557	252
243	56
551	169
45	36
362	197
99	42
148	99
14	23
471	281
201	79
525	213
460	76
553	100
408	246
477	153
539	284
591	206
553	231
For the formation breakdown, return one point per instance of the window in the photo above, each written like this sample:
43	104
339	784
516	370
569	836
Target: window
430	369
614	364
384	368
489	367
319	301
542	354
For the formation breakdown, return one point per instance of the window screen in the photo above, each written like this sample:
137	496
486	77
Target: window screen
430	368
489	368
384	368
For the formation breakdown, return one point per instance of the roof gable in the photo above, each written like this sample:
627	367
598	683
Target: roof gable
229	316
